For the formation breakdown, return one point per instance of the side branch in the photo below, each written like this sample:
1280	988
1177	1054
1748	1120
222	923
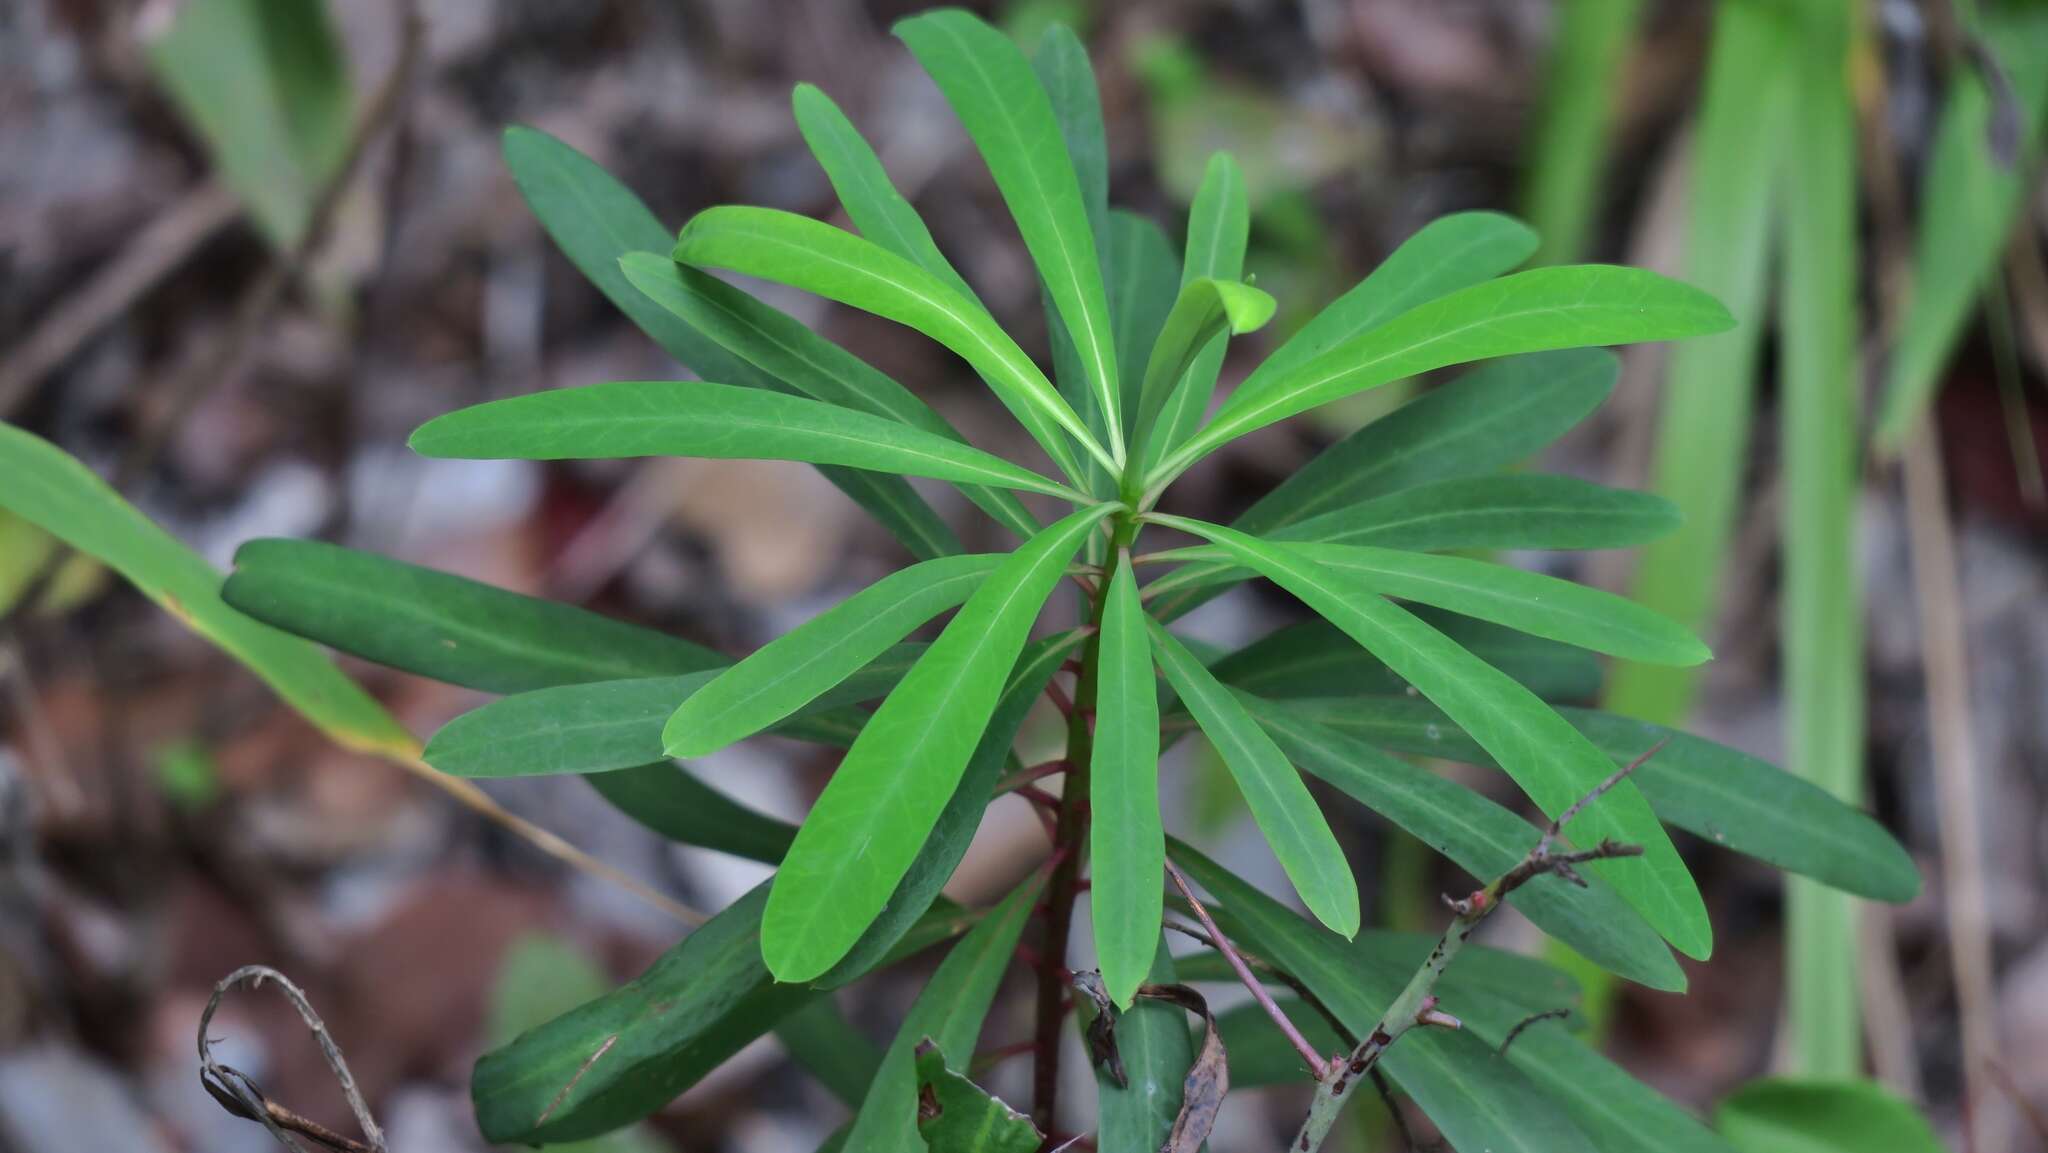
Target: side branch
1416	1006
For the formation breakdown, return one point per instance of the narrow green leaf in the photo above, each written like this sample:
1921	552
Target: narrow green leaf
820	1039
1551	762
1509	511
1481	837
816	257
1280	803
954	830
1127	845
1006	111
1702	453
949	1012
1476	1100
1143	271
628	1053
1206	308
957	1116
49	488
1443	256
674	803
1800	1116
596	221
864	189
1722	795
1061	64
1514	598
1152	1038
1316	659
451	629
780	345
790	671
1968	198
1490	418
1544	308
1821	609
1219	228
882	803
719	421
445	627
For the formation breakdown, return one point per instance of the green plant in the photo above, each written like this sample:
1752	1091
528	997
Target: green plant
1469	672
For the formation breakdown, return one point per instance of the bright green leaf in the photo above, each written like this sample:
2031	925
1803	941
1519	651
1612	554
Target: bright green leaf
1280	803
888	792
792	670
1127	844
957	1116
1219	228
719	421
1206	308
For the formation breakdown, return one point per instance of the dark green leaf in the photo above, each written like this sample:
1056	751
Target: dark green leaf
1280	803
1143	271
1509	511
1315	659
1548	758
1261	1055
794	669
674	803
819	1038
720	421
628	1053
1726	796
1152	1039
948	1014
1127	843
889	791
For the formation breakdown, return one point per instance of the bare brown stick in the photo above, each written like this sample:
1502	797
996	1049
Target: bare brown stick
1275	972
240	1096
1416	1006
1309	1057
163	244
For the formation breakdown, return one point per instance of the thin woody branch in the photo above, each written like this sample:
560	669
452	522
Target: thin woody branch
1309	1056
1416	1006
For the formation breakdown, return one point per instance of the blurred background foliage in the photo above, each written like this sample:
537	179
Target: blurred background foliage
222	288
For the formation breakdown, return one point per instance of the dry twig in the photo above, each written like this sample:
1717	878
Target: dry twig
240	1096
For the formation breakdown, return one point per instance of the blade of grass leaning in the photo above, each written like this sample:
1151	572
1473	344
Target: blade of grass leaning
816	257
1551	762
1281	805
1127	845
718	421
1703	422
1545	308
949	1011
1219	229
1822	605
881	804
1000	101
780	345
596	221
792	670
54	491
1581	85
1969	197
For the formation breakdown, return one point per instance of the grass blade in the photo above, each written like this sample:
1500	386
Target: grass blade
1551	762
1127	844
816	257
1580	89
719	421
1280	803
792	670
1006	111
882	803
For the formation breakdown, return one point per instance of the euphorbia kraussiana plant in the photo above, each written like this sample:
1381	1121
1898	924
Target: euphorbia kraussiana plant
1417	651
